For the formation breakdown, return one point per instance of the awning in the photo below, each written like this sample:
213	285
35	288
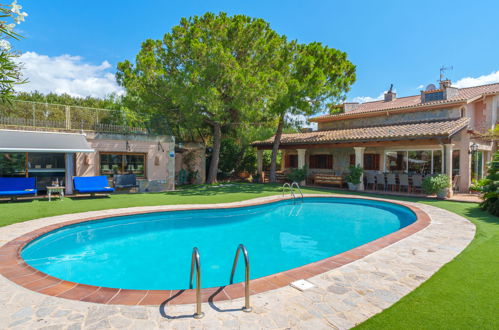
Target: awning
29	141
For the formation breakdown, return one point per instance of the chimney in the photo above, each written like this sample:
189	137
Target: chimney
445	83
390	95
449	91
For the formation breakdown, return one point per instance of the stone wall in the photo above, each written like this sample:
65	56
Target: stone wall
393	119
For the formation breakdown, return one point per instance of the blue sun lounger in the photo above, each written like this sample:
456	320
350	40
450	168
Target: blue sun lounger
15	187
91	184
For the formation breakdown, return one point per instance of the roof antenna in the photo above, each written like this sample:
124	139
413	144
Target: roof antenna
442	72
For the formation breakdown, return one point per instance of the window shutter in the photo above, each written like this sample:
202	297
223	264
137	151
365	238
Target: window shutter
312	161
352	160
329	163
376	162
286	161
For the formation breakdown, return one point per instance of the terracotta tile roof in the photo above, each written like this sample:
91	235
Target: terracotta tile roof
463	95
443	128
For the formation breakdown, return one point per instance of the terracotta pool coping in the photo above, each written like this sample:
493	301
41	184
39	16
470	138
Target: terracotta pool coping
13	267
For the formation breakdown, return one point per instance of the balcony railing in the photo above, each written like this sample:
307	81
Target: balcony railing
25	114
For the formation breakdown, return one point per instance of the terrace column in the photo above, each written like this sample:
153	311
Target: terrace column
259	162
359	161
70	172
448	165
301	161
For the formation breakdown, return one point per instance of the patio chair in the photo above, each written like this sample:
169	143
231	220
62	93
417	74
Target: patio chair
404	182
417	183
380	180
370	180
15	187
391	181
92	185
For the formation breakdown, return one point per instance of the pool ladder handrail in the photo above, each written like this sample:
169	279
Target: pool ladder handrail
295	184
290	190
195	261
246	308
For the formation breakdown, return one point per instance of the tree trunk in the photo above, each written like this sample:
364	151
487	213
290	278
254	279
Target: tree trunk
275	149
215	155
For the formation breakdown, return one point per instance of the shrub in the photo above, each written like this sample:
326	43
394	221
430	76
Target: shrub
355	174
297	174
436	183
490	187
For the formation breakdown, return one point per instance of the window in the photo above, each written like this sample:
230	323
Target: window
122	163
12	164
419	162
396	161
46	162
291	161
437	161
371	161
477	165
321	161
414	162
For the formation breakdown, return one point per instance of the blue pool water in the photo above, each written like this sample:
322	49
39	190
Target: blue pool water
153	251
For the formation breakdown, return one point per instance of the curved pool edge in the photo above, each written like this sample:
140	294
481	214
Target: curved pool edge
13	267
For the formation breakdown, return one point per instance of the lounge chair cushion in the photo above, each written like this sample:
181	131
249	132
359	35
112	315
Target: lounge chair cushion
17	186
91	184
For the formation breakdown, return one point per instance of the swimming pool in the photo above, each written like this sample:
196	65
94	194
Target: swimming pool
153	251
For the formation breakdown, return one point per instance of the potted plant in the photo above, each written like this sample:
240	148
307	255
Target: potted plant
437	184
354	177
298	175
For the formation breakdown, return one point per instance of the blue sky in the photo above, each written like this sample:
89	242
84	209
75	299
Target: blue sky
74	46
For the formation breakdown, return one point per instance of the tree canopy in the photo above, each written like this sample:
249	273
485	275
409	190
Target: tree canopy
214	70
227	74
317	77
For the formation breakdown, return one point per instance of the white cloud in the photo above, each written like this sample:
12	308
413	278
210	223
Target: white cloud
420	87
482	80
364	99
66	74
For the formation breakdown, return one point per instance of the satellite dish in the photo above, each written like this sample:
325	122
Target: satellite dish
430	87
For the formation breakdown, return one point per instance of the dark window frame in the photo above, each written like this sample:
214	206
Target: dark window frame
123	162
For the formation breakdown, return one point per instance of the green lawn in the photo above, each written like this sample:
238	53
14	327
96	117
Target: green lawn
464	294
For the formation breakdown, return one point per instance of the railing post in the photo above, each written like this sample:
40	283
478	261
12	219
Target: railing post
68	117
195	261
246	308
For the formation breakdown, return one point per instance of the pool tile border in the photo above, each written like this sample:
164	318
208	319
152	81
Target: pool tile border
13	267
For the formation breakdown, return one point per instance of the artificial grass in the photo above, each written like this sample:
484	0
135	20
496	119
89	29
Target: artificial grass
464	294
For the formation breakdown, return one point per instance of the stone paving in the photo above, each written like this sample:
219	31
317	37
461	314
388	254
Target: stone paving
341	298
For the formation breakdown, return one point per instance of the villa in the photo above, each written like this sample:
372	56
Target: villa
55	143
438	131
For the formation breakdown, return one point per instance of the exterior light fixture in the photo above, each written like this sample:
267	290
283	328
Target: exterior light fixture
473	148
